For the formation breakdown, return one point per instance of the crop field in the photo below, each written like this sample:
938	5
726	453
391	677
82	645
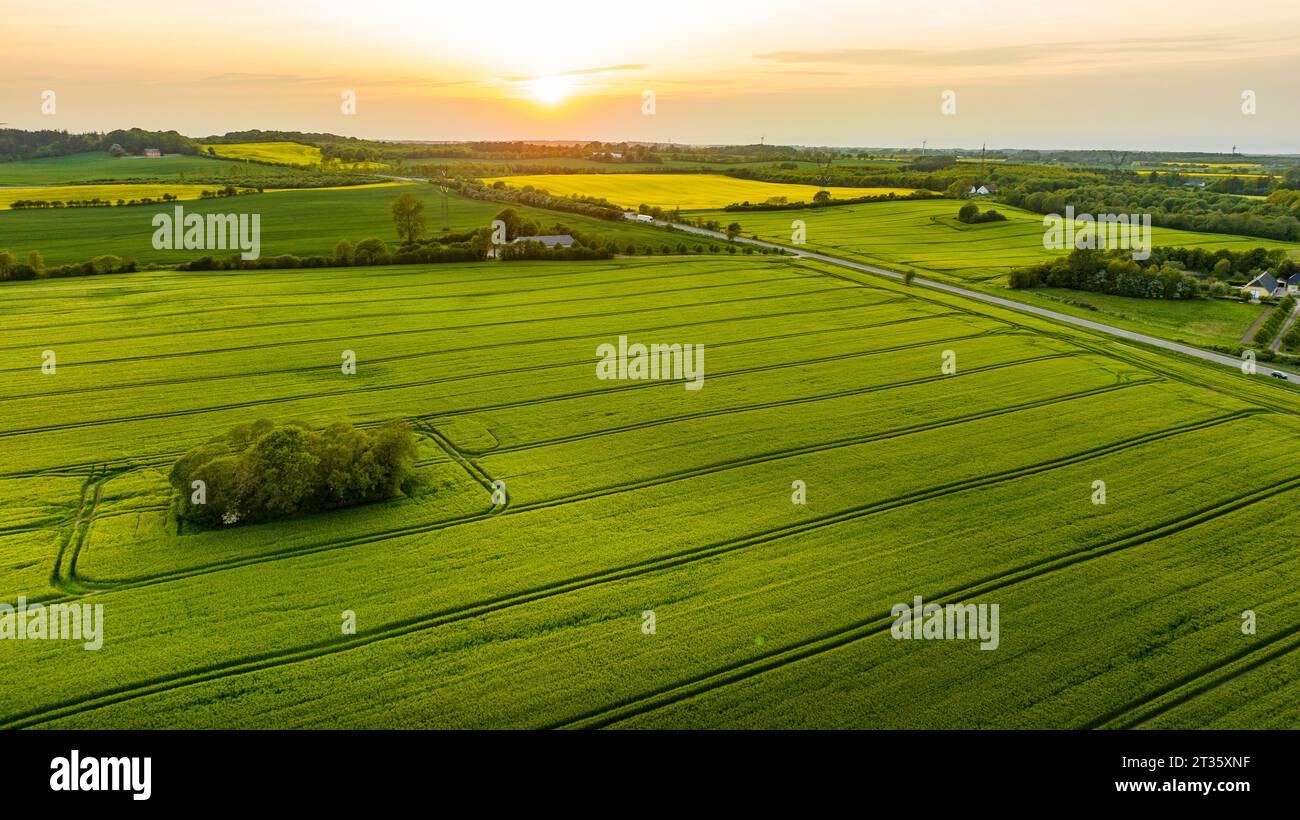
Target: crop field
288	153
947	450
926	235
620	167
927	238
302	221
95	166
108	193
686	191
1203	322
282	153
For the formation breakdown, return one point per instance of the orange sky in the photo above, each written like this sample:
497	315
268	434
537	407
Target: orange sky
1034	74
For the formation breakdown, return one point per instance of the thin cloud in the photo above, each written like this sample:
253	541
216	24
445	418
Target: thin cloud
1008	55
608	69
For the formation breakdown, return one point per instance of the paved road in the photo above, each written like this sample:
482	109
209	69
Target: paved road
1209	356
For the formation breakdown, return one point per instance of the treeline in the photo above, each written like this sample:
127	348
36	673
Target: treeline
532	250
844	177
264	471
16	144
343	152
1113	272
11	270
827	201
258	135
371	251
1225	264
537	198
96	202
1183	208
949	178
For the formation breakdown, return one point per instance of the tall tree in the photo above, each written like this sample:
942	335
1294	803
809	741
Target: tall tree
408	216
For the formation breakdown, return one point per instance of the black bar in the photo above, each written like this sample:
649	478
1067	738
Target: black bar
228	769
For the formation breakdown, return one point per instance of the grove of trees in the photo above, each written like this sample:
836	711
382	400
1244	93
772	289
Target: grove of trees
267	470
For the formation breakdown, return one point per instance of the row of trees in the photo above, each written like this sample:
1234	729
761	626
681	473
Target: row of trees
537	198
1265	332
1225	264
96	202
266	470
1113	272
11	270
1184	208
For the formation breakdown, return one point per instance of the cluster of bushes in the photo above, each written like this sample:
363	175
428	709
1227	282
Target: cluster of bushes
263	471
11	270
1113	272
1273	323
970	214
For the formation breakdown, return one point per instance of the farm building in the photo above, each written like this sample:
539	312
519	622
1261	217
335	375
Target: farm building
1263	285
982	190
561	240
152	152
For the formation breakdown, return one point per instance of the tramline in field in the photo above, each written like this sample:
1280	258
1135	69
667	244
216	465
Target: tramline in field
971	484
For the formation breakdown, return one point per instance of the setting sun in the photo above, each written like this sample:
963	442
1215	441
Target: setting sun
550	90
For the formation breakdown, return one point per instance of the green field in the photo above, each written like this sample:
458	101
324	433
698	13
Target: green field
685	191
301	222
1203	322
99	165
925	235
626	497
107	193
484	167
926	238
281	153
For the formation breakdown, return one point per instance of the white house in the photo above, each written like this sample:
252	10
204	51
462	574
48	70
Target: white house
983	190
1264	286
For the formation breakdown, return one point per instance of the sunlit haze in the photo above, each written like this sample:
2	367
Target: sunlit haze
861	73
